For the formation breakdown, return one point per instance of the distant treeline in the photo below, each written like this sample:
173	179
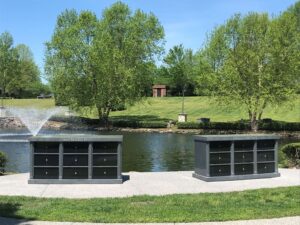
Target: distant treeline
19	75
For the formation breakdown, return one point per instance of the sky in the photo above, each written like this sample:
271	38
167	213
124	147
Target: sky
32	22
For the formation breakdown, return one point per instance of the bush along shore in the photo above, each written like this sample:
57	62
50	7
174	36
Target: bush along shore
242	126
290	155
163	126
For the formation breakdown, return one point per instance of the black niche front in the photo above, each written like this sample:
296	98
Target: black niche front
234	157
76	159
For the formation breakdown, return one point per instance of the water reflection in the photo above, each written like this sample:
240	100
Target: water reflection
157	152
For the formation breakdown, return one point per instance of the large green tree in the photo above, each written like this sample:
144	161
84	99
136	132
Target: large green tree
19	75
28	76
179	67
67	58
177	71
252	60
8	63
103	62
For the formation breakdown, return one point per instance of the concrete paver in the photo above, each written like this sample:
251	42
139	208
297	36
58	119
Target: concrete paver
146	183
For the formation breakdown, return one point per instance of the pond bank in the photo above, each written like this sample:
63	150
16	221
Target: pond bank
77	124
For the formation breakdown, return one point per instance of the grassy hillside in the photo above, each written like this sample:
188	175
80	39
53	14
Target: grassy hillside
197	107
169	107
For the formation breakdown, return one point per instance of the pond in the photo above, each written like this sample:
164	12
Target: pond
143	152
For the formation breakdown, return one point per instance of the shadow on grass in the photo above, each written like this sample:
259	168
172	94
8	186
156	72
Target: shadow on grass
9	211
147	118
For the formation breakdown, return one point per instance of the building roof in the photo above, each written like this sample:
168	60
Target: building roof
159	86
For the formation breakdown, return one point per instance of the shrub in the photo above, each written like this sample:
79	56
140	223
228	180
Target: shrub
188	125
3	160
125	123
267	120
282	159
279	126
292	154
229	125
119	107
154	124
240	125
139	124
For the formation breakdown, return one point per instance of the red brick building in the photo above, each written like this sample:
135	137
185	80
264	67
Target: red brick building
159	90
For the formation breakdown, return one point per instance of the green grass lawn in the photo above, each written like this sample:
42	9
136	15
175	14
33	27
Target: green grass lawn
152	109
197	107
38	103
253	204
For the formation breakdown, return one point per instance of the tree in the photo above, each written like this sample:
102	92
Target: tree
294	11
179	65
64	55
36	89
105	62
28	76
8	63
253	60
19	74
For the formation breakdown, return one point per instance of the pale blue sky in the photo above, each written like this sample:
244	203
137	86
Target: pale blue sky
186	21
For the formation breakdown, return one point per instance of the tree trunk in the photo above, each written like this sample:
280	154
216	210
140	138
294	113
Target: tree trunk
3	89
262	109
104	121
2	99
182	107
103	116
254	122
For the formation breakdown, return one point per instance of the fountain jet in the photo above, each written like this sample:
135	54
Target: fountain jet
34	118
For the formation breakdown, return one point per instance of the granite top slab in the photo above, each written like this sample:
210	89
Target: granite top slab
77	138
237	137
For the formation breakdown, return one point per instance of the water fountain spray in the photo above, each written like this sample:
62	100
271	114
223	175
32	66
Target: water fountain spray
34	118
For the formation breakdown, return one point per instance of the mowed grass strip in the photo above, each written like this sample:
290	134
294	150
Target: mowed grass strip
253	204
27	103
164	109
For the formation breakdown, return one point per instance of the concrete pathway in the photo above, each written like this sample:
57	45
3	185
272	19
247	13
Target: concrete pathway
158	183
277	221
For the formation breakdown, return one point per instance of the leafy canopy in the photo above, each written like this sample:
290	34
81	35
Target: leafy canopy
103	62
19	75
253	60
179	67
